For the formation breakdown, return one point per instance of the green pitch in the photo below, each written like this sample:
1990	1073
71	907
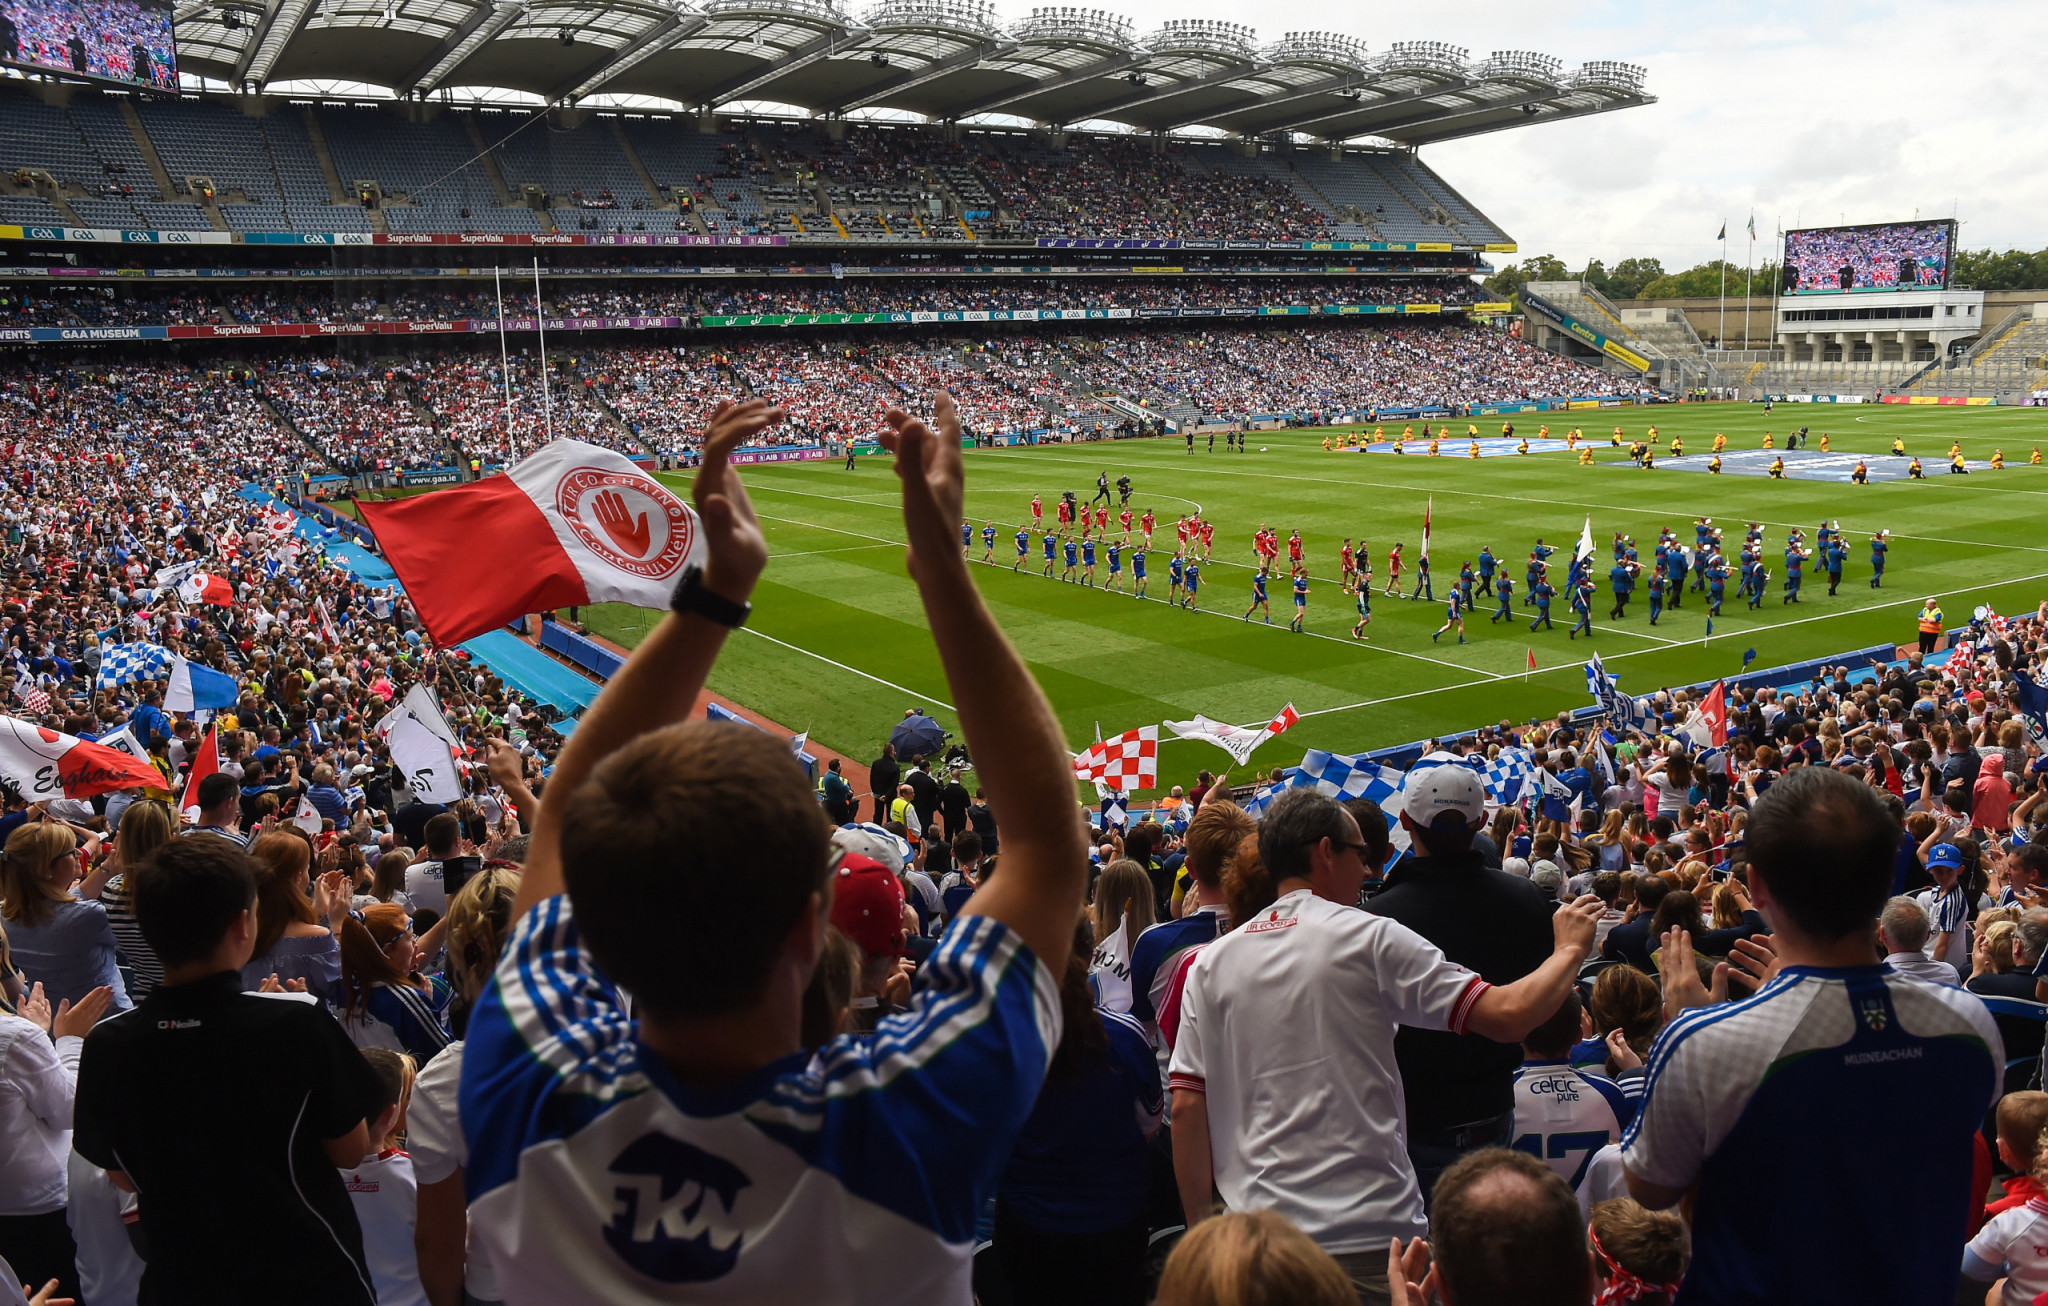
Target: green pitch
837	642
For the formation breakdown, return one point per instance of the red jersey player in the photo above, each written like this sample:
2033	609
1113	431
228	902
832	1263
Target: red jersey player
1349	561
1123	519
1062	510
1037	513
1294	551
1146	523
1208	537
1102	520
1394	570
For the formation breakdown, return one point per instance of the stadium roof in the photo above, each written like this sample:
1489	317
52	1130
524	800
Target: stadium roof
947	60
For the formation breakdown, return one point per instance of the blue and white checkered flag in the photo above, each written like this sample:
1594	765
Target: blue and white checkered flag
1619	707
124	664
1338	776
1508	775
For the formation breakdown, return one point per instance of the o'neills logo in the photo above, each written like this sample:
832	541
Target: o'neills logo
627	520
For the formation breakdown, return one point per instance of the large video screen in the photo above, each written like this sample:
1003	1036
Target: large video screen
128	42
1884	256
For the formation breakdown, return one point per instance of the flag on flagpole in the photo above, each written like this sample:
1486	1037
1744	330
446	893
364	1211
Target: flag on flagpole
204	763
1724	232
584	524
307	817
423	746
1752	226
1585	545
1428	507
1127	761
43	763
33	698
1238	741
192	688
326	621
1532	659
796	744
201	588
1708	724
1748	658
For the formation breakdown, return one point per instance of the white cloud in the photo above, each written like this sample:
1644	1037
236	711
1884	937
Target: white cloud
1817	113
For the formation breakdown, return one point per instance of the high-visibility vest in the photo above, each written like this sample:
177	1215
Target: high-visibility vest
1930	621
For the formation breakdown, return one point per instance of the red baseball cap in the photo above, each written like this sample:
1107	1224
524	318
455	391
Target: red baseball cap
867	905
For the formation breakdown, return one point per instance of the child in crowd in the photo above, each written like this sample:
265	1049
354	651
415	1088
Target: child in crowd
2022	1120
383	1189
1639	1256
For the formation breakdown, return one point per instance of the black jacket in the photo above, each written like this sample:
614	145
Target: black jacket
1490	922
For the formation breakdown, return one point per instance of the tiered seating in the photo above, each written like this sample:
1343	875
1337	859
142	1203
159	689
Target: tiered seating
1358	182
1471	224
308	207
404	158
590	183
38	135
208	139
1275	178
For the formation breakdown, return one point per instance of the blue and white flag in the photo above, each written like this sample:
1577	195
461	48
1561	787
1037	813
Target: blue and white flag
193	687
1338	776
124	664
1619	707
2033	697
1558	798
1116	810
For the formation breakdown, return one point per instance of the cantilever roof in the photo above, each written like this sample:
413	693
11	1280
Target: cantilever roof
946	59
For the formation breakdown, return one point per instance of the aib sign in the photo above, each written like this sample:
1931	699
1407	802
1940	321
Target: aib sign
628	520
672	1199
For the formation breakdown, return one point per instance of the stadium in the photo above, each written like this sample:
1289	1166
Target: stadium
412	405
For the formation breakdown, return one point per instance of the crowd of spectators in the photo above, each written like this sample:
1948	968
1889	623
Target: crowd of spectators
359	418
1547	1044
640	297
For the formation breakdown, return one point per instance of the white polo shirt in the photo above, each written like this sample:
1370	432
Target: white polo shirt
1287	1026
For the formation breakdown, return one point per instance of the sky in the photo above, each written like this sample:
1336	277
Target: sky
1811	114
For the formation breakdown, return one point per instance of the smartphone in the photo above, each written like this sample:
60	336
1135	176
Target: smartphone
455	872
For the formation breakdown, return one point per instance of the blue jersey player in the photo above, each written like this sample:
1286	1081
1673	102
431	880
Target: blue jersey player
1454	617
1176	576
1023	548
1192	584
1138	572
1067	556
988	542
1300	602
1087	562
1259	597
1116	566
1052	544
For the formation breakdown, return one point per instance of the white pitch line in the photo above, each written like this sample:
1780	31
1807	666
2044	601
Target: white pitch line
812	553
794	648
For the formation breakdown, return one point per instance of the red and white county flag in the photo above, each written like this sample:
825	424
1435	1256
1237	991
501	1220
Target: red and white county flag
1428	507
32	697
573	524
1129	761
43	763
1238	741
204	764
201	588
1708	725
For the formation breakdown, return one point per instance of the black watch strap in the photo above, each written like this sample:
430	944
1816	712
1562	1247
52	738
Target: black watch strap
692	596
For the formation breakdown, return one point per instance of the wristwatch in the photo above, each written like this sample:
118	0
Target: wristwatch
691	596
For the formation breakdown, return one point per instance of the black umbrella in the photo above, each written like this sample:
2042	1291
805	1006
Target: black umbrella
917	736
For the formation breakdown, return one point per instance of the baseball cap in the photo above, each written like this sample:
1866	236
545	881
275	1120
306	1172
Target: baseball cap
1546	876
1945	854
1444	790
867	905
875	843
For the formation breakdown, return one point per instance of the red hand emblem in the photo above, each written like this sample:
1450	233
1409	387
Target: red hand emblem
611	512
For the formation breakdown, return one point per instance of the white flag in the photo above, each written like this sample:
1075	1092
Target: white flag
1238	741
326	622
424	746
307	818
1585	547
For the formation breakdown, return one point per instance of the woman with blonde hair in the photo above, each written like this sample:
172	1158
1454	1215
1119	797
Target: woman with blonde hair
386	1003
1252	1258
1610	845
147	824
452	1267
60	941
297	936
1122	910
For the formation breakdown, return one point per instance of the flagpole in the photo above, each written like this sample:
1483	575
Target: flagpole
1723	334
540	323
1748	271
505	365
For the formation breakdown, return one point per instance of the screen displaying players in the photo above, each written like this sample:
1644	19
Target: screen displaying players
1885	256
125	41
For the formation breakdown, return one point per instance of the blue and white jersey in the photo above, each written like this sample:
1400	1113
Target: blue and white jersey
852	1176
1820	1063
1563	1115
402	1018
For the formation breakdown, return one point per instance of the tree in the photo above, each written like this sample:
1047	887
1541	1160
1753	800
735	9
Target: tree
1508	282
1980	269
1704	282
1629	277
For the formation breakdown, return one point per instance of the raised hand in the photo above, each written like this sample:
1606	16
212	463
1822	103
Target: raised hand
35	1007
611	512
1681	974
933	475
735	549
1573	926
